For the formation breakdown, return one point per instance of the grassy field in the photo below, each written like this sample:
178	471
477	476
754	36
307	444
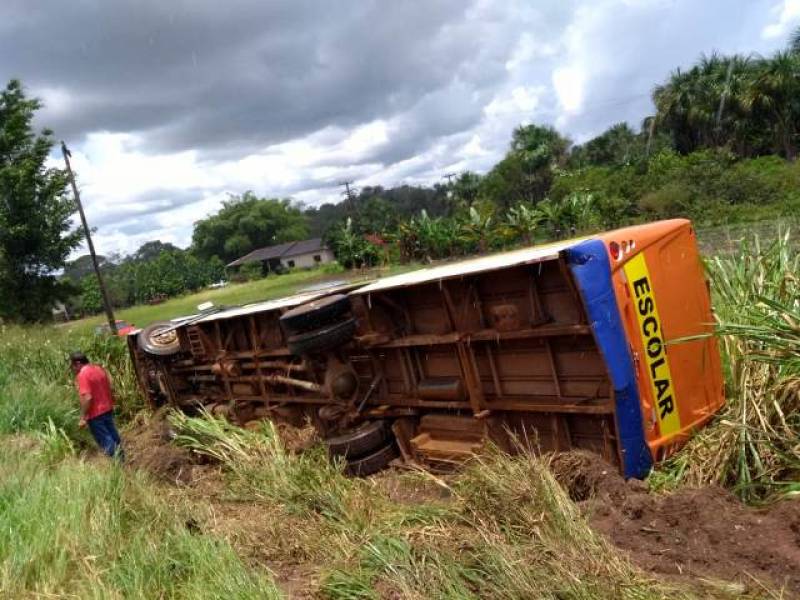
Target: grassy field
727	239
237	294
75	525
231	295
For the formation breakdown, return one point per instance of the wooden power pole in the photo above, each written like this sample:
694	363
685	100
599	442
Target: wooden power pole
106	304
349	195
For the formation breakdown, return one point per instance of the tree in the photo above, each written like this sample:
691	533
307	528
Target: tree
617	146
522	222
351	248
465	189
82	266
477	228
776	91
375	215
526	172
246	223
151	250
539	146
36	235
794	41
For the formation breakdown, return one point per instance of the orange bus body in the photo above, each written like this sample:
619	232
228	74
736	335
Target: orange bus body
576	344
679	290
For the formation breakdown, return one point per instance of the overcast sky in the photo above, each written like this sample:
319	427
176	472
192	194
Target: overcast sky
170	105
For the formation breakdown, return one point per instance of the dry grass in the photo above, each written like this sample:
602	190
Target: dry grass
507	530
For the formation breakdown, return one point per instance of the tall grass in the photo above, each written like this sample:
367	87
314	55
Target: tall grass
37	386
508	530
754	444
86	528
91	530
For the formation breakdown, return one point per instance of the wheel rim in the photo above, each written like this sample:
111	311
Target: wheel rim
163	339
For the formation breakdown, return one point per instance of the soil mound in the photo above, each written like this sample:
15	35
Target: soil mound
691	533
585	475
148	446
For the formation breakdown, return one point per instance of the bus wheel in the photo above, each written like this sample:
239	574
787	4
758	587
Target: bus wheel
372	463
363	440
154	340
315	314
323	339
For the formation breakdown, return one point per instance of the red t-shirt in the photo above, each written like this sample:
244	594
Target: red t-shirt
93	380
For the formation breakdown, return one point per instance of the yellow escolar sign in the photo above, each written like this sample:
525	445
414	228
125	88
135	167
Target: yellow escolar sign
655	353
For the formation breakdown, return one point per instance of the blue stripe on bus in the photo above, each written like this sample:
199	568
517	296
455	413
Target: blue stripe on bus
591	269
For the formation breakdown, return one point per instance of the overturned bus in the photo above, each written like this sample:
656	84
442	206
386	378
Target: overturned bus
554	347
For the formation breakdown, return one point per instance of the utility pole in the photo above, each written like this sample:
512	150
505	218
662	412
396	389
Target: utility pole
449	177
109	312
349	194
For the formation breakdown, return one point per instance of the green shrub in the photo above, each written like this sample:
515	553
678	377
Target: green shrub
672	200
251	271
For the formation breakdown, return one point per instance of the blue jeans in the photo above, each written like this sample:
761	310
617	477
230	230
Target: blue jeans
105	434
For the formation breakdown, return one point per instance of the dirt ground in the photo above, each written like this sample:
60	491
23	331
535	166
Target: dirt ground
148	447
691	533
687	535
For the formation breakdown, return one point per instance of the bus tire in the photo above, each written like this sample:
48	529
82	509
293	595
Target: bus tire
156	344
360	442
372	463
315	314
323	339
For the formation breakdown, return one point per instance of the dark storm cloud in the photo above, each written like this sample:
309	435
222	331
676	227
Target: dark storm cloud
217	74
144	210
271	95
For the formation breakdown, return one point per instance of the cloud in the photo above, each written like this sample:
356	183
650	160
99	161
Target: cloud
788	17
169	107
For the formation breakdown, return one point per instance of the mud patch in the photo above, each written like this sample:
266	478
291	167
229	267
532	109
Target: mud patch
691	533
148	446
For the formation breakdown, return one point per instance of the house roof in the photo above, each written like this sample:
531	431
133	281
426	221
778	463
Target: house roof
280	251
304	247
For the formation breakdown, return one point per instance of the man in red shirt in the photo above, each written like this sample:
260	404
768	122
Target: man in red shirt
97	403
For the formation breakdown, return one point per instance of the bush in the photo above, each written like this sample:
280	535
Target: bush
708	186
672	200
251	271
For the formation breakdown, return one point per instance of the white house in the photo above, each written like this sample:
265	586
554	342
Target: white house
291	255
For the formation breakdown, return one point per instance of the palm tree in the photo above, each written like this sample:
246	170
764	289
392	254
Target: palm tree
776	92
794	41
707	106
674	102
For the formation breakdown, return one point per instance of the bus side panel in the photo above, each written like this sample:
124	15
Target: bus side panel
663	296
